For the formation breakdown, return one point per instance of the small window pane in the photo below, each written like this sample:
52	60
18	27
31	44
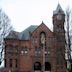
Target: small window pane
5	63
24	50
16	63
37	51
10	63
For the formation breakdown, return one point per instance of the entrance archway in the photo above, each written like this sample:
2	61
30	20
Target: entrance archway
37	66
47	66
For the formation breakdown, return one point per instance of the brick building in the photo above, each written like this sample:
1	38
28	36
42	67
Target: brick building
37	48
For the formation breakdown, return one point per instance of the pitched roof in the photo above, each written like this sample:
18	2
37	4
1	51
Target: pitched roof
22	35
58	9
13	34
42	24
25	33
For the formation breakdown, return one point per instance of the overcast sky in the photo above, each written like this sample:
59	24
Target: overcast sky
24	13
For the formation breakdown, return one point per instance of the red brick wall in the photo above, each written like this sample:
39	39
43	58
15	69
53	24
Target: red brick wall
26	62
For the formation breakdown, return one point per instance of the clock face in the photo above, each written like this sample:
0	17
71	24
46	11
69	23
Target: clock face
59	17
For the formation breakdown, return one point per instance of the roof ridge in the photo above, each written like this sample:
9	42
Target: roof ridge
43	24
28	27
25	33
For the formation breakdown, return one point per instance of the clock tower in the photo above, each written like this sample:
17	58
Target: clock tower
59	34
58	23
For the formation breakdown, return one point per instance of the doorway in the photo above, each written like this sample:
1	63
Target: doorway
37	67
47	67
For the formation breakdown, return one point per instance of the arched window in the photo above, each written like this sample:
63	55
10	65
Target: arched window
37	66
42	38
47	66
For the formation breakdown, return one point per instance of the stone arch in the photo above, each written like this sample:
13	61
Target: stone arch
47	66
37	66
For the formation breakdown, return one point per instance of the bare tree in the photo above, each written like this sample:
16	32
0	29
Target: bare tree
1	69
68	37
5	28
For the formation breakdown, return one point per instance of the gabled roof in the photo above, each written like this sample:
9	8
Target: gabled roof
13	34
30	29
42	24
58	10
22	35
25	35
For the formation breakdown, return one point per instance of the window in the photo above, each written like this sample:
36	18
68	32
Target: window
24	50
37	51
5	64
34	40
16	63
10	63
5	50
15	48
60	56
42	39
37	66
9	47
47	66
47	51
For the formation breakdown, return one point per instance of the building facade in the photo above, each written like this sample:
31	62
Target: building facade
37	48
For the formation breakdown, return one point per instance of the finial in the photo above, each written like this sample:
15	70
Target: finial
42	22
58	9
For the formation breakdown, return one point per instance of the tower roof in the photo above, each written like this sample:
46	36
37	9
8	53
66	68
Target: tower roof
58	10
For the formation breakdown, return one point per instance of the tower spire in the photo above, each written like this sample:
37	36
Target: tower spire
58	10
